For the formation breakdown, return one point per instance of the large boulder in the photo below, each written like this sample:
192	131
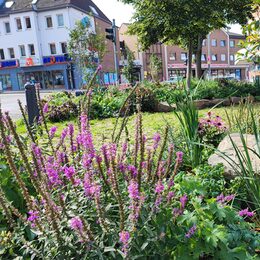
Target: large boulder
227	155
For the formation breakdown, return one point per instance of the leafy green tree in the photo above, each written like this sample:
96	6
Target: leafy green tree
155	67
85	48
185	22
252	32
128	70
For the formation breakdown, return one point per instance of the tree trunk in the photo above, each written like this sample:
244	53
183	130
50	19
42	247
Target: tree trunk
189	68
198	57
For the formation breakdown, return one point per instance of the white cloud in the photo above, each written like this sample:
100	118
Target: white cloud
114	9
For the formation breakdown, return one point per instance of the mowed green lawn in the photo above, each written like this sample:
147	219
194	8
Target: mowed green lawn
152	123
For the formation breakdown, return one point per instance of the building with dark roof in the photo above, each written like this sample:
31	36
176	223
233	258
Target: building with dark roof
33	42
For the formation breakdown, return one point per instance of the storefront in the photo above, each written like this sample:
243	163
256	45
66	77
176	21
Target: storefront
56	72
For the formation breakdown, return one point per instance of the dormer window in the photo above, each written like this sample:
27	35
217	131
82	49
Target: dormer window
9	4
93	10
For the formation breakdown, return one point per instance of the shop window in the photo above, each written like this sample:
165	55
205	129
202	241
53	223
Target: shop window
18	24
31	49
7	27
11	53
49	22
53	48
5	82
28	22
2	54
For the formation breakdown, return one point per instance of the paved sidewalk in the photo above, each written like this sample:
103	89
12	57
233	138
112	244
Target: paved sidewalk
9	102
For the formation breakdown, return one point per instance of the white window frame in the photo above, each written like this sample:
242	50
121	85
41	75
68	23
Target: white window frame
60	26
182	57
46	20
234	44
16	19
215	41
50	44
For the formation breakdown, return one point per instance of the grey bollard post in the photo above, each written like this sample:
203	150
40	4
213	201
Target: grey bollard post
31	101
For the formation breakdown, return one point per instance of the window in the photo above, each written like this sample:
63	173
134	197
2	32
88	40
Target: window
204	42
232	58
53	48
2	54
93	10
223	57
173	56
214	57
49	22
28	22
213	42
184	56
60	20
64	48
222	43
7	27
11	53
31	49
203	57
22	50
18	24
232	43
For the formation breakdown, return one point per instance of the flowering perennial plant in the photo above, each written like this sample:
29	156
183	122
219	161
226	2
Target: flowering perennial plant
117	201
212	129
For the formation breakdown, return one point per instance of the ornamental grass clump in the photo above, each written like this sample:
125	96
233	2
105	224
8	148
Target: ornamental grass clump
117	201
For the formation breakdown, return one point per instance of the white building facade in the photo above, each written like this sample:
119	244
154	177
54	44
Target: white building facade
33	42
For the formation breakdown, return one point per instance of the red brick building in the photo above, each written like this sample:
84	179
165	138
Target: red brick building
218	56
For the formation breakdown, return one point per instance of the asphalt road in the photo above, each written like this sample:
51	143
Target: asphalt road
9	103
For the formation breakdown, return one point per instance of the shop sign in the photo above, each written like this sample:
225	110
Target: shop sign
51	60
9	64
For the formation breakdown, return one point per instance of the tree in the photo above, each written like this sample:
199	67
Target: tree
155	67
86	48
184	22
252	32
128	70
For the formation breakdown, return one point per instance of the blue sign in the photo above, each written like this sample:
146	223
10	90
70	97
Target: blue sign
85	21
9	64
56	59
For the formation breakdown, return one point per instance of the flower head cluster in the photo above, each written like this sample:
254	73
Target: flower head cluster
52	131
246	213
76	224
156	139
225	199
33	216
133	190
124	237
191	231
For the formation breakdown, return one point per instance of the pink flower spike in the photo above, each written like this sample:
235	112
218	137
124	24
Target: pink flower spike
46	108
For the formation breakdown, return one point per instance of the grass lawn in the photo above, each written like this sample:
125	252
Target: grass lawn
152	122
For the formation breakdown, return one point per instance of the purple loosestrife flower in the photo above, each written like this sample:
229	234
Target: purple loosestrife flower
179	156
69	172
246	213
33	216
170	196
64	134
83	122
159	188
53	131
224	199
133	190
156	139
132	170
46	108
124	237
76	224
191	231
183	201
71	129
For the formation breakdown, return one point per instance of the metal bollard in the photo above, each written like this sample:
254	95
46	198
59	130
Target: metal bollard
31	101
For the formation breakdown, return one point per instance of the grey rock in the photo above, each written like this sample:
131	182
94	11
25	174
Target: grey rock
227	156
